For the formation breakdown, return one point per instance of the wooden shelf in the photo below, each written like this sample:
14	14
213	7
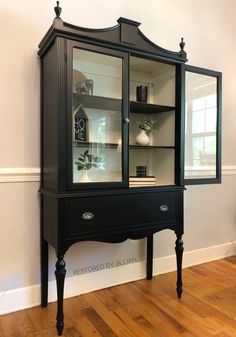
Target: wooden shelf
97	102
115	145
150	147
158	184
95	144
106	103
147	108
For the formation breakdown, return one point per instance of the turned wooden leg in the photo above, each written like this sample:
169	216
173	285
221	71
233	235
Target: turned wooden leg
44	272
149	257
179	255
60	273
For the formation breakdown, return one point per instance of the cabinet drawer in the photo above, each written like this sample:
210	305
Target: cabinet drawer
108	213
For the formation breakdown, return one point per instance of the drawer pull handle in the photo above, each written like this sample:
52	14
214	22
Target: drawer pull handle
164	208
87	215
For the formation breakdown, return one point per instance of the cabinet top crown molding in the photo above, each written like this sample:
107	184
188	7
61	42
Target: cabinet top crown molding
124	35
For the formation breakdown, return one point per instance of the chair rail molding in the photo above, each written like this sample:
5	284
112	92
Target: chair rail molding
32	174
228	170
19	174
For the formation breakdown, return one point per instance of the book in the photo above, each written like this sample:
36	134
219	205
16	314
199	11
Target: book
142	183
142	179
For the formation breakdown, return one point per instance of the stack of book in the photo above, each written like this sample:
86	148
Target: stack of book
142	181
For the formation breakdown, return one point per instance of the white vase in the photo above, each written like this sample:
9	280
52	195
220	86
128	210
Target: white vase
142	138
84	177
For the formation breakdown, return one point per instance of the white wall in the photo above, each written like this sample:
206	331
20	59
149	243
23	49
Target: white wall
210	215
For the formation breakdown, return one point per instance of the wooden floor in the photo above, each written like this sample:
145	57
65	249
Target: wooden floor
143	308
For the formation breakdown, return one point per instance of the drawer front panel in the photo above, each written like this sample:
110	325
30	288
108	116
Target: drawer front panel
107	213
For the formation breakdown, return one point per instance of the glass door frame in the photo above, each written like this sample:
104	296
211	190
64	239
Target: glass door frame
183	68
124	116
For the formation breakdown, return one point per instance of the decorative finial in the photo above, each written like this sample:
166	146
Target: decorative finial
57	10
182	44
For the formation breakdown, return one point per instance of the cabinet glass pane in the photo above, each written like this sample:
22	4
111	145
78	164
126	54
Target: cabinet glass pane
200	126
96	117
152	123
97	74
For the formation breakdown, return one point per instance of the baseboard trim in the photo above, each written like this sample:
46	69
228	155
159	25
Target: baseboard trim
32	174
27	297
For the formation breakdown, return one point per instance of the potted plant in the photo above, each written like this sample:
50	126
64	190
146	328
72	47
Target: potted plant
145	126
87	161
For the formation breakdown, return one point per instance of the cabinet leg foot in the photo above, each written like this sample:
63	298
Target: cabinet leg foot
149	270
60	273
179	255
60	327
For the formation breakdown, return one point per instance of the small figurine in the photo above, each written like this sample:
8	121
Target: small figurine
85	87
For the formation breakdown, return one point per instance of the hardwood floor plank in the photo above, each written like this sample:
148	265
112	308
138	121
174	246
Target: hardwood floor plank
223	300
185	317
125	301
7	326
155	313
41	321
131	324
195	309
152	329
98	322
231	259
23	324
86	328
104	312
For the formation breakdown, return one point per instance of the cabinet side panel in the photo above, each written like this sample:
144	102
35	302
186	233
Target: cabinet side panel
49	119
50	232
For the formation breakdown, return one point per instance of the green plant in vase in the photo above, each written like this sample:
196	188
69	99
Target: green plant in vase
87	161
146	126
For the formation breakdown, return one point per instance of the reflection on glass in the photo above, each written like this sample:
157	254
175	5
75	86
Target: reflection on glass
97	74
96	117
200	126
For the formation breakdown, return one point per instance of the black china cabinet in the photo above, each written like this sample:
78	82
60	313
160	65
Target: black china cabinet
125	125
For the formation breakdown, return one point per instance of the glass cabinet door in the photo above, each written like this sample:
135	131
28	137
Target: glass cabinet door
202	130
96	112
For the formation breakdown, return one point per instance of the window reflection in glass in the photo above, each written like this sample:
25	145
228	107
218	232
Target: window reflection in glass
200	126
